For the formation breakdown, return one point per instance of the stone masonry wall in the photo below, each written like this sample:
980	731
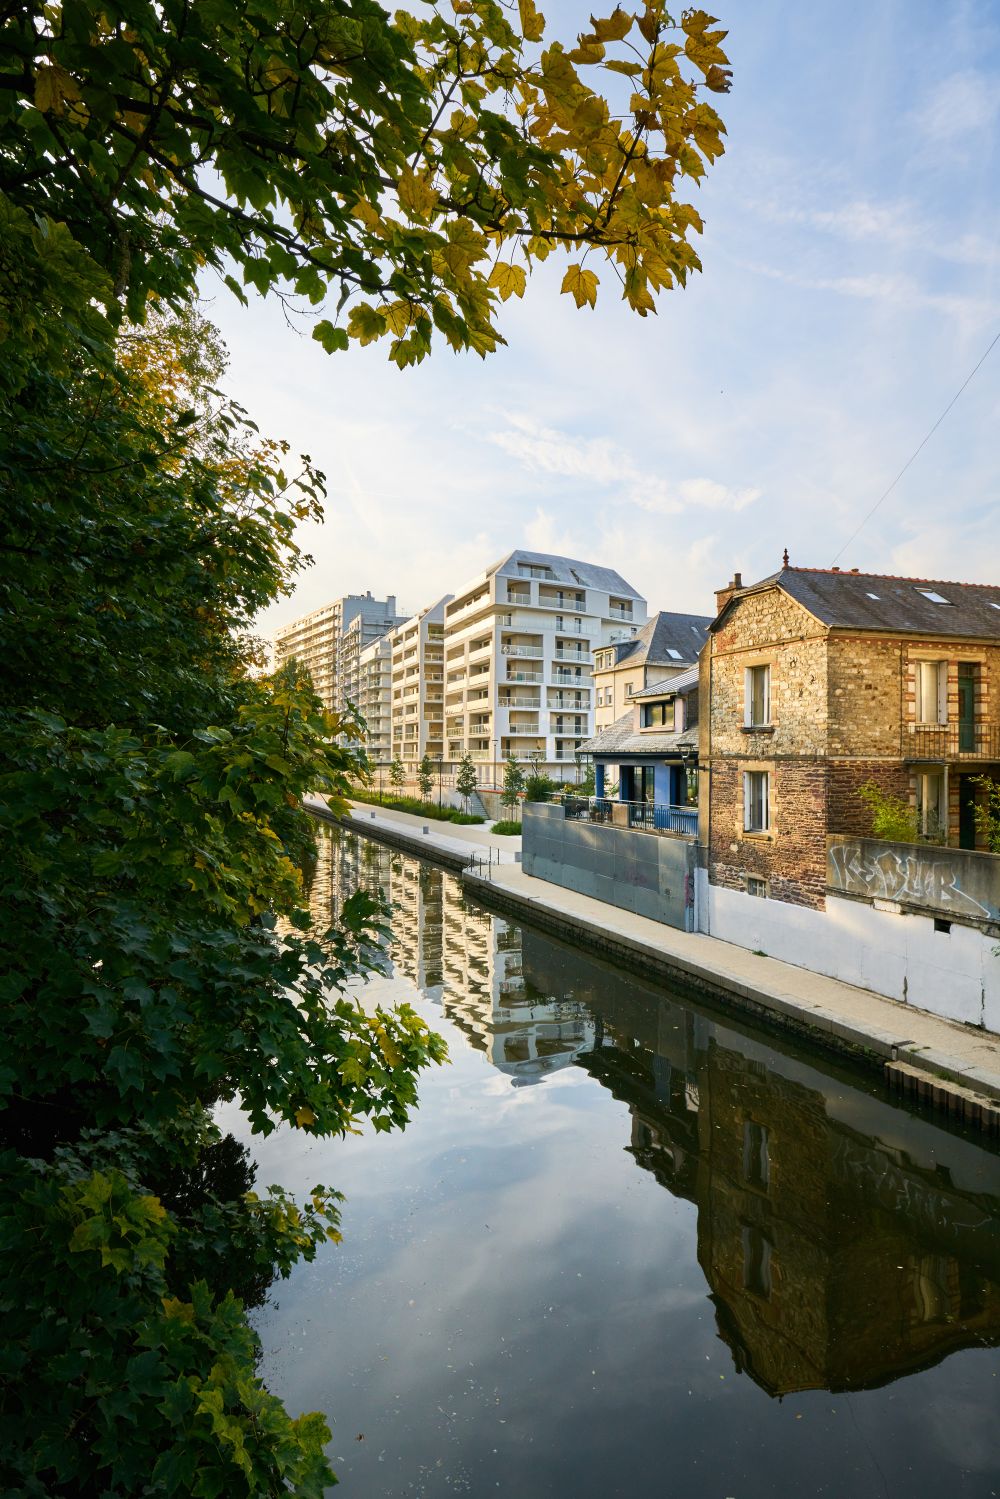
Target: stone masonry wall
769	628
791	856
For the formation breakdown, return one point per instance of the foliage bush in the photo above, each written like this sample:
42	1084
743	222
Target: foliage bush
507	826
419	808
892	818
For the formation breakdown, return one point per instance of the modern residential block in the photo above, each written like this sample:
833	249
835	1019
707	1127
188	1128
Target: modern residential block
417	687
518	657
327	645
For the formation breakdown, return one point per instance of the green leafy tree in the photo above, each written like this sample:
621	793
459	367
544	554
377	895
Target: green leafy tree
416	167
538	786
892	818
513	783
155	946
987	812
425	776
397	773
466	779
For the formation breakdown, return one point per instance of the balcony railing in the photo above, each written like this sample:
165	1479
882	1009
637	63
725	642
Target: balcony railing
563	654
533	652
521	702
617	612
951	741
643	817
523	676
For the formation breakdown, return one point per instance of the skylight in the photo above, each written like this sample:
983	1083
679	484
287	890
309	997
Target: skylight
874	595
674	655
992	605
935	598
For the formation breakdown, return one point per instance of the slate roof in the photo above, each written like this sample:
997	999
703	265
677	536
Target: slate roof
680	685
877	601
567	570
665	632
621	739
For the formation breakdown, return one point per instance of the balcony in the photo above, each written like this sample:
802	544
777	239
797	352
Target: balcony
531	652
642	817
950	741
569	653
521	702
553	599
563	676
514	675
619	611
518	595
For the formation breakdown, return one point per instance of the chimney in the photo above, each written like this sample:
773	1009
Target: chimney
723	595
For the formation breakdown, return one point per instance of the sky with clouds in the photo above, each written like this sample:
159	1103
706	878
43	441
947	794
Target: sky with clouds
851	282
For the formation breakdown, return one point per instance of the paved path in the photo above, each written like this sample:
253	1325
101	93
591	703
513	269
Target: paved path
832	1012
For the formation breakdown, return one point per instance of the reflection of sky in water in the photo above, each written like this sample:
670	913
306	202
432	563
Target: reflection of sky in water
520	1307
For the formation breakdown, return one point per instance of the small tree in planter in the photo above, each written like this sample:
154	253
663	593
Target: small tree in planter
538	786
513	783
397	774
425	777
466	780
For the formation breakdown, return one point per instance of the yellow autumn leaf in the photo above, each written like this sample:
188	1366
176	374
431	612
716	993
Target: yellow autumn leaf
508	280
365	214
304	1117
615	28
581	284
415	194
532	21
53	87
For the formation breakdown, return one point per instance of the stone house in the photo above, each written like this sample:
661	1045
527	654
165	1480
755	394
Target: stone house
816	681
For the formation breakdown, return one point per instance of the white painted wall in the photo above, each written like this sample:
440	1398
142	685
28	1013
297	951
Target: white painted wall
955	974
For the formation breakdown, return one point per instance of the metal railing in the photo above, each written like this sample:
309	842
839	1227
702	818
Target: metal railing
533	652
644	817
951	741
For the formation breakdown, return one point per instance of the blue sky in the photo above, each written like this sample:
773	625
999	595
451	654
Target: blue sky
851	281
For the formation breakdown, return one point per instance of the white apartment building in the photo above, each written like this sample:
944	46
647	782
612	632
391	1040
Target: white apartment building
374	698
320	642
518	655
417	687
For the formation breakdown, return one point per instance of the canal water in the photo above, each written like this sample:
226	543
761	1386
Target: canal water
630	1247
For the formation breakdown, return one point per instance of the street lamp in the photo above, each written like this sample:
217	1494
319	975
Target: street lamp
440	760
494	743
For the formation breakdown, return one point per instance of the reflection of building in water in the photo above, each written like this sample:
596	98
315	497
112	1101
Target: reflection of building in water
845	1242
461	957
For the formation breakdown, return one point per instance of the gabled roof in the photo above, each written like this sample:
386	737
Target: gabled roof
878	601
678	686
622	739
684	634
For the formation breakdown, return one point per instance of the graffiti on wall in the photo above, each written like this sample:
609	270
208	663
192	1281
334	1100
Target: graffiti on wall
940	879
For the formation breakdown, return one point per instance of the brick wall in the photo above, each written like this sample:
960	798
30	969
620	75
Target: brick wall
791	857
846	811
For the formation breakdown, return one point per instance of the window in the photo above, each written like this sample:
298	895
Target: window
658	715
935	598
600	698
756	887
757	705
932	692
674	655
756	1165
609	699
932	812
756	1261
629	689
755	801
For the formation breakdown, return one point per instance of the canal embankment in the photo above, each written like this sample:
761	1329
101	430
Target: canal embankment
920	1054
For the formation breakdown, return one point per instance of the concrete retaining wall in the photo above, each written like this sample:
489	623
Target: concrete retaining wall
953	973
640	872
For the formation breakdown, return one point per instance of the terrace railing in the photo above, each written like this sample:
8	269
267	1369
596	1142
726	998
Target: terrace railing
951	741
643	817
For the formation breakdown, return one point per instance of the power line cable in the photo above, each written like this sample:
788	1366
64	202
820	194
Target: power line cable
916	451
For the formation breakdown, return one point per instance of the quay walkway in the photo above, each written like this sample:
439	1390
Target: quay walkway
940	1062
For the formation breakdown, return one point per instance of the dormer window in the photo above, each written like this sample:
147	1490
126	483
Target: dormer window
935	598
658	715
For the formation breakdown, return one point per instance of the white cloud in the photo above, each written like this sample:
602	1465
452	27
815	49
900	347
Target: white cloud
963	104
601	462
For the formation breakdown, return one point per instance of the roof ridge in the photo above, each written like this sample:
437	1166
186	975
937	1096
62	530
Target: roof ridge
846	572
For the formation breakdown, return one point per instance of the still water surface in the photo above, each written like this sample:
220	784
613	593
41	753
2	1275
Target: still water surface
629	1247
